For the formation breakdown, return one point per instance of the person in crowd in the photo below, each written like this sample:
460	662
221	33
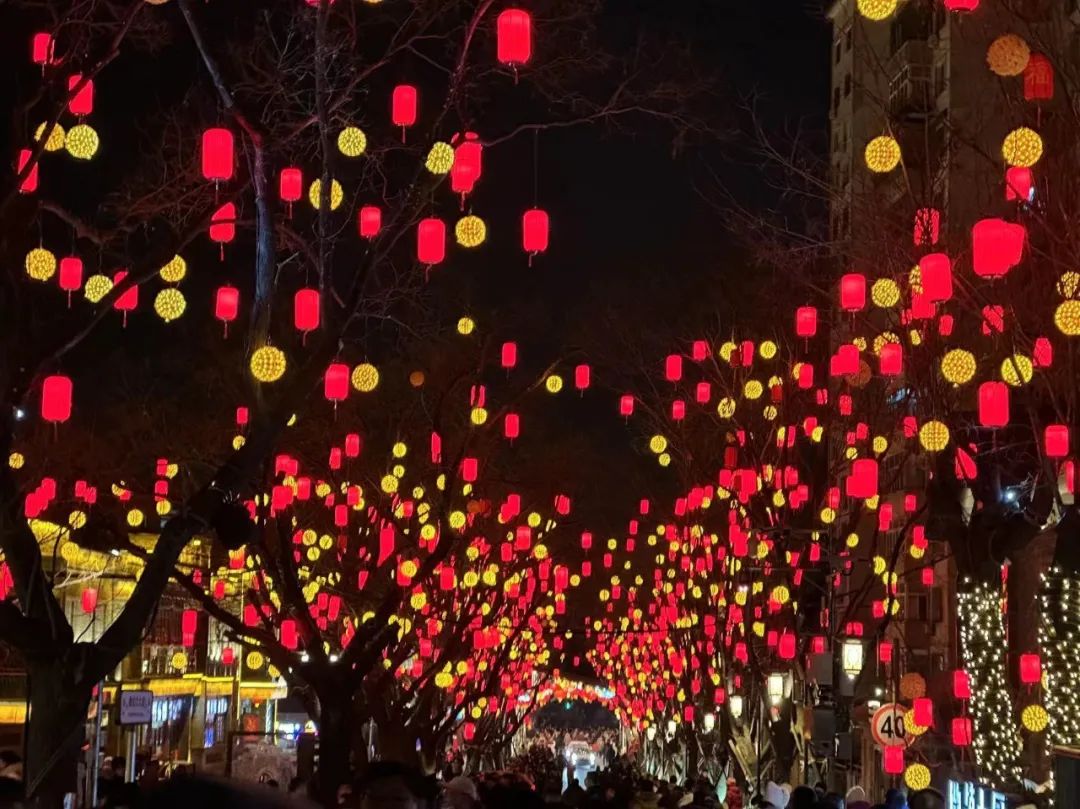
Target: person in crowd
856	798
574	796
389	785
461	793
803	797
895	799
927	799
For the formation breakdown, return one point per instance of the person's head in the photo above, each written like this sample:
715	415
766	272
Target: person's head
390	785
460	793
927	799
609	793
802	797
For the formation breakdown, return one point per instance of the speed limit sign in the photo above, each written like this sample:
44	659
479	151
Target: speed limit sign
887	726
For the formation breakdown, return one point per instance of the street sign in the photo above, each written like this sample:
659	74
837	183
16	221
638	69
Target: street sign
136	707
887	726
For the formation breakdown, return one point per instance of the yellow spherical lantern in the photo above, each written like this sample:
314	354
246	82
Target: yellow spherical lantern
1008	55
781	594
1069	284
97	287
170	304
135	518
958	366
337	194
81	142
1017	370
725	408
753	389
917	776
876	10
16	460
934	436
389	484
1067	318
365	377
912	686
1035	718
254	660
268	364
416	379
174	271
882	154
466	326
553	383
470	231
351	141
55	141
885	293
767	350
440	159
1022	147
40	264
179	661
478	416
657	444
884	339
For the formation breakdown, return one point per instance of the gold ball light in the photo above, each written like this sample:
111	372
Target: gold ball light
466	326
1035	718
934	436
470	231
917	776
1069	284
912	686
351	141
882	154
440	159
1022	147
337	195
958	366
97	287
82	142
170	304
1067	318
885	293
553	383
268	364
1017	370
365	377
876	10
1008	55
55	141
40	264
174	271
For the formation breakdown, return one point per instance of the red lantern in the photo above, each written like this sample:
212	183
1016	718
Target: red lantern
512	426
1019	184
626	405
853	292
961	731
1030	669
1042	355
56	398
469	469
71	272
678	410
290	638
217	154
534	231
997	247
336	382
885	652
228	656
223	225
226	305
891	359
893	760
786	647
468	165
935	274
993	404
961	5
582	377
961	684
189	624
403	106
703	392
509	355
1038	78
369	221
431	241
923	709
306	315
1056	440
514	37
129	299
89	600
41	48
82	102
806	321
673	368
30	181
863	481
290	185
927	226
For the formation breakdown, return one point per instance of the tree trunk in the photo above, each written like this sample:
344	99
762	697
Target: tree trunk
335	745
55	732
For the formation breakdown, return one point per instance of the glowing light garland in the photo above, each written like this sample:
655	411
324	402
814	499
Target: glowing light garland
982	642
1059	628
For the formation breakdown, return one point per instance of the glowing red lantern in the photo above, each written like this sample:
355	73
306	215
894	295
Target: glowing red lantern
431	241
509	355
786	647
290	185
1038	78
30	181
89	600
1030	669
891	359
228	656
1042	355
81	101
290	638
41	48
226	304
892	759
403	105
223	225
56	398
885	652
703	392
1056	440
961	5
306	310
71	272
514	37
923	709
369	221
582	377
997	247
927	226
217	154
853	292
806	321
626	405
863	481
468	165
678	410
336	382
1019	184
512	426
935	274
469	469
993	404
535	231
189	623
961	731
673	368
961	684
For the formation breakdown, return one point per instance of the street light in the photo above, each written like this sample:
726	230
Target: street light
709	722
736	704
775	687
851	657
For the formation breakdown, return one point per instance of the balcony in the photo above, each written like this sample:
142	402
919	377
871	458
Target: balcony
911	92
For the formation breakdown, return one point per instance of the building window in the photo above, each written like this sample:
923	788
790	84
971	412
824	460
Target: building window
847	85
835	100
847	40
836	57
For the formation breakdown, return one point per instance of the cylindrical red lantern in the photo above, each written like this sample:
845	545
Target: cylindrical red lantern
228	656
306	316
468	165
291	184
514	37
290	638
1038	78
403	106
431	241
853	292
509	355
223	224
997	247
673	368
82	102
993	404
961	731
56	398
227	304
891	359
129	299
582	377
786	647
1056	440
1019	184
806	321
626	405
927	226
892	759
469	469
30	181
512	426
1030	669
961	5
71	273
885	652
369	221
961	684
935	273
923	710
535	231
89	600
217	154
336	382
41	48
